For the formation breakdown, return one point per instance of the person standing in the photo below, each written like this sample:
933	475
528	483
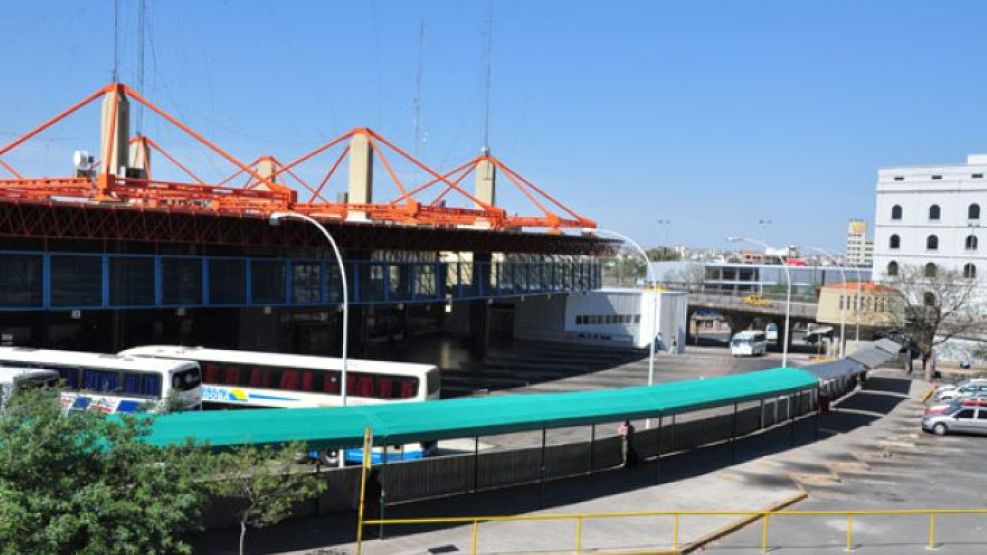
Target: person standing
628	455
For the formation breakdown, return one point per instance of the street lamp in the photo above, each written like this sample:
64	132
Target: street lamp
844	299
654	300
275	219
788	300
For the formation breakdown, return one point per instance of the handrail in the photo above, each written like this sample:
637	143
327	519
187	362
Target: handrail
764	516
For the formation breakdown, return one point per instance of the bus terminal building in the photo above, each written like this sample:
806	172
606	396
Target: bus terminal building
114	256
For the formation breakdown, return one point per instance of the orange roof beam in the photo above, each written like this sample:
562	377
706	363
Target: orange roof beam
208	144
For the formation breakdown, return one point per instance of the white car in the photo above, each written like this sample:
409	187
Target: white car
951	386
972	389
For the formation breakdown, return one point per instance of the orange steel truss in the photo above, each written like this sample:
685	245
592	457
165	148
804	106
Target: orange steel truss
268	185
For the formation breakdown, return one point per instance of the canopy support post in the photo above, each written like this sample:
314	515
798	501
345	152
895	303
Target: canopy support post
383	488
476	463
791	419
542	480
760	416
658	450
733	436
592	447
816	418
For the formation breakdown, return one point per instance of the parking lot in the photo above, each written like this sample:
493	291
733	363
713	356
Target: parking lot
895	467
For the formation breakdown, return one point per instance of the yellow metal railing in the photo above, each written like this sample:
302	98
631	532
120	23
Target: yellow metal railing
677	516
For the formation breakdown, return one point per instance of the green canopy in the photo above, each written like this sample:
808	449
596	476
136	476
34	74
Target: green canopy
473	416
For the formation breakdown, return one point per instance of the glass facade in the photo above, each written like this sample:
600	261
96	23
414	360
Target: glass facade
65	281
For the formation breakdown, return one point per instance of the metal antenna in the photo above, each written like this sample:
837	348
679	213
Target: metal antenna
486	99
418	86
141	17
116	41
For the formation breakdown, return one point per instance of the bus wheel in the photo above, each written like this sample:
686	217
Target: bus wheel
329	457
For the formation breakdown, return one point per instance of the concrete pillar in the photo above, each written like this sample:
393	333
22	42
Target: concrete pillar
140	156
265	169
486	182
479	309
117	156
361	175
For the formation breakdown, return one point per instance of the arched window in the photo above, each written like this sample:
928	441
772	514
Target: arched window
896	212
971	242
932	242
934	212
894	242
928	299
973	212
931	270
892	268
969	271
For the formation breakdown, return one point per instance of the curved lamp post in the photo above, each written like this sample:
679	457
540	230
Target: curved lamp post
274	219
788	300
654	300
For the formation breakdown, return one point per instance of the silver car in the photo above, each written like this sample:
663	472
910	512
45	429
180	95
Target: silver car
963	419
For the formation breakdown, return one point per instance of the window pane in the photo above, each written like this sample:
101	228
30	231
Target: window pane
20	280
306	282
267	281
131	281
181	280
100	380
76	281
227	281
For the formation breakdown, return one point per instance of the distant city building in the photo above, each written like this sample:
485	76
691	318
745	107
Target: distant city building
859	250
930	217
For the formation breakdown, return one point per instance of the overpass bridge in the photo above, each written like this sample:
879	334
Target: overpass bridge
740	312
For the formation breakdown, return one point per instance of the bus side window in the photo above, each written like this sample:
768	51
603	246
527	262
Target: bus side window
331	383
256	377
351	384
231	376
366	386
289	379
385	387
308	378
100	380
408	387
70	376
211	374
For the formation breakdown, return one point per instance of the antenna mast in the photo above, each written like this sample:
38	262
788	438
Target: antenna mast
418	87
116	41
141	17
486	87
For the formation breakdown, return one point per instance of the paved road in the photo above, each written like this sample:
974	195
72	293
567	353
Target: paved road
897	467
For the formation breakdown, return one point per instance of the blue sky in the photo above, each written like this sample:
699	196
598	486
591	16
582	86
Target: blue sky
710	114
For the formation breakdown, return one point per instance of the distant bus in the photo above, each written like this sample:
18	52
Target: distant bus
274	380
749	343
112	383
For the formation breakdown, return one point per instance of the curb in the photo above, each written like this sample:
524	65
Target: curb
733	527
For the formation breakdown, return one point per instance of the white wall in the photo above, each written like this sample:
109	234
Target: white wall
564	318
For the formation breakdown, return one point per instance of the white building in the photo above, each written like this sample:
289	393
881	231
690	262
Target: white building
932	215
859	250
613	316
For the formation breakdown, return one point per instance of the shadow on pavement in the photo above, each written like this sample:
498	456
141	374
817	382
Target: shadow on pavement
339	529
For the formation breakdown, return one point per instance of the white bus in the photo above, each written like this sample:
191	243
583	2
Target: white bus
275	380
112	383
14	379
749	343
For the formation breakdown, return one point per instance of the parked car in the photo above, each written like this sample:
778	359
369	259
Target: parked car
970	389
963	419
942	407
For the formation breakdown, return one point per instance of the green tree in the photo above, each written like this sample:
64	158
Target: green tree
661	254
85	483
266	483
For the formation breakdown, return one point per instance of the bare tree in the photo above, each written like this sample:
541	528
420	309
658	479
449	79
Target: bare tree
934	305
